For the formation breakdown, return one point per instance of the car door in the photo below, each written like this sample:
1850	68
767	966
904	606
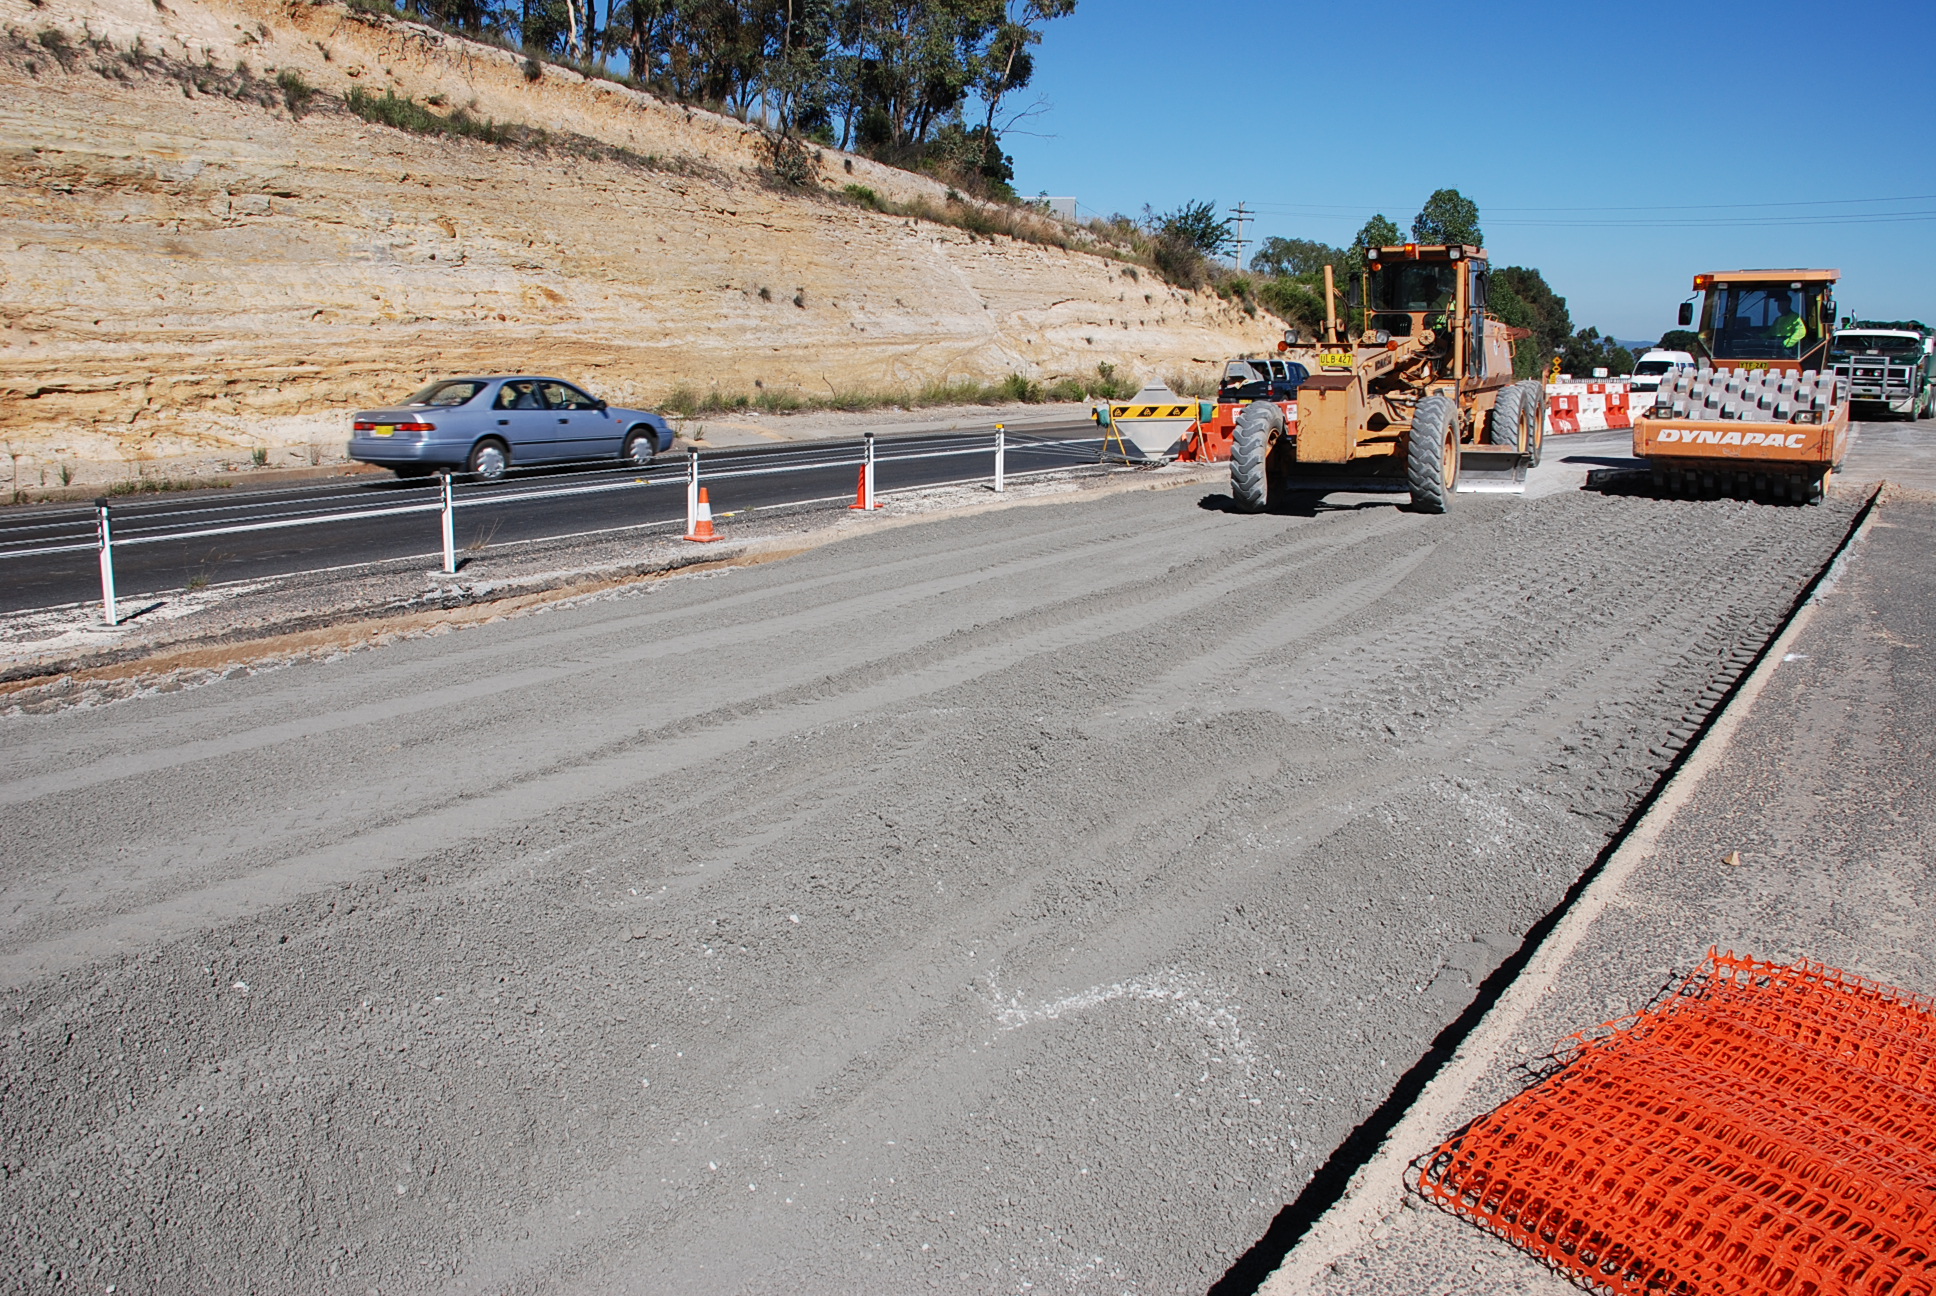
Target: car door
518	414
584	430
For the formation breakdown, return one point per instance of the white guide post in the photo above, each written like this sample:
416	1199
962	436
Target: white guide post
692	491
106	538
867	490
450	527
1001	458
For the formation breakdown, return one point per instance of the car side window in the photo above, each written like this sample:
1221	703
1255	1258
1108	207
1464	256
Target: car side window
519	396
565	396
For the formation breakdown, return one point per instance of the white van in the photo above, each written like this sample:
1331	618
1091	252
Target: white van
1648	371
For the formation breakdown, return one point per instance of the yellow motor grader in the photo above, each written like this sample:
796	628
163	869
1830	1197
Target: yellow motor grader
1419	396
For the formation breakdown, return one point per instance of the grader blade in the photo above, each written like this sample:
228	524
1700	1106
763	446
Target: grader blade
1491	470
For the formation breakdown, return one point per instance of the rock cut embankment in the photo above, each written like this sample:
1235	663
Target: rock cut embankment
194	269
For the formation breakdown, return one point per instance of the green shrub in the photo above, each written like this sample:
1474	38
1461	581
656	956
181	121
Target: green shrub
1109	386
685	401
791	163
865	197
1019	387
297	93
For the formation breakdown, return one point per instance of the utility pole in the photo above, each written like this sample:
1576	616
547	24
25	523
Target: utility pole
1243	215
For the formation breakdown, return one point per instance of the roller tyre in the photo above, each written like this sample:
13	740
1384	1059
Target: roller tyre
1259	422
1432	455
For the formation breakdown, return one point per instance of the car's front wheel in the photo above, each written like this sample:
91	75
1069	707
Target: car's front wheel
640	446
489	458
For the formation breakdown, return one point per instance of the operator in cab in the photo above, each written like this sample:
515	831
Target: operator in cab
1789	327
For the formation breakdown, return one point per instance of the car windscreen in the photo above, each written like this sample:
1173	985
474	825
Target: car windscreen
447	394
1647	367
1881	342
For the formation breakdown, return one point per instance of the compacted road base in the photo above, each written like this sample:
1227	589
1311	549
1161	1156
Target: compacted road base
1027	900
1808	835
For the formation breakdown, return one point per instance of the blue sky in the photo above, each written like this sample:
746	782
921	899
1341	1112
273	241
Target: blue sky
1719	118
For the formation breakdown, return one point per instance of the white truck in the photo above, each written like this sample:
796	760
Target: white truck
1892	365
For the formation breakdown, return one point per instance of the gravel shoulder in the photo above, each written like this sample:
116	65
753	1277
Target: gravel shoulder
1028	899
65	655
1825	791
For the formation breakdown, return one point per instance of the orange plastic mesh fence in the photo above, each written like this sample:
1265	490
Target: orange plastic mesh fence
1761	1129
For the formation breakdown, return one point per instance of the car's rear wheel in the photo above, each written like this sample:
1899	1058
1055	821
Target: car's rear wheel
640	446
489	458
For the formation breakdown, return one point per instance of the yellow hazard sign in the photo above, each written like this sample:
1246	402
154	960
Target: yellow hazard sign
1152	411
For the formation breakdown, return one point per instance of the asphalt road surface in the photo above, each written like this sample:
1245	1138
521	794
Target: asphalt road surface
1024	900
527	505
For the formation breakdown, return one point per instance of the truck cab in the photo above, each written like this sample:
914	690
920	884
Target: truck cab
1249	378
1893	365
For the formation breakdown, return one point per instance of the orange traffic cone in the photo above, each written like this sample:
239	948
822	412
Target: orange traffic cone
702	526
862	500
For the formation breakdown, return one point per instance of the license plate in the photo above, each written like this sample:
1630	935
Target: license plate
386	429
1334	360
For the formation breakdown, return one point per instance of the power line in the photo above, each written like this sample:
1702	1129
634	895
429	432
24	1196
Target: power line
1747	222
1807	202
1754	215
1352	208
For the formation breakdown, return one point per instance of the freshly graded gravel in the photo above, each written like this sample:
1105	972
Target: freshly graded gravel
1029	900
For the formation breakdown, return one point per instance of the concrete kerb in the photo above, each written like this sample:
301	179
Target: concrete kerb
1377	1187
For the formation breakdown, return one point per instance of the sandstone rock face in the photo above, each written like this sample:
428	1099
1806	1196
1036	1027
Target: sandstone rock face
187	274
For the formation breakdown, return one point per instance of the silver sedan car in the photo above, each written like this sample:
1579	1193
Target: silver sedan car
484	425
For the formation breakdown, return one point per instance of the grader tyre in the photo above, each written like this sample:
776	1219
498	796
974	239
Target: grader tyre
1507	412
1432	455
1534	403
1249	447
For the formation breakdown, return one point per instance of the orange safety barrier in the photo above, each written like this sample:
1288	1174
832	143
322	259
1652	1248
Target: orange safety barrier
1760	1129
1209	438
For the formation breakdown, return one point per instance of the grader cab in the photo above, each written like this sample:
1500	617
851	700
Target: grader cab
1412	391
